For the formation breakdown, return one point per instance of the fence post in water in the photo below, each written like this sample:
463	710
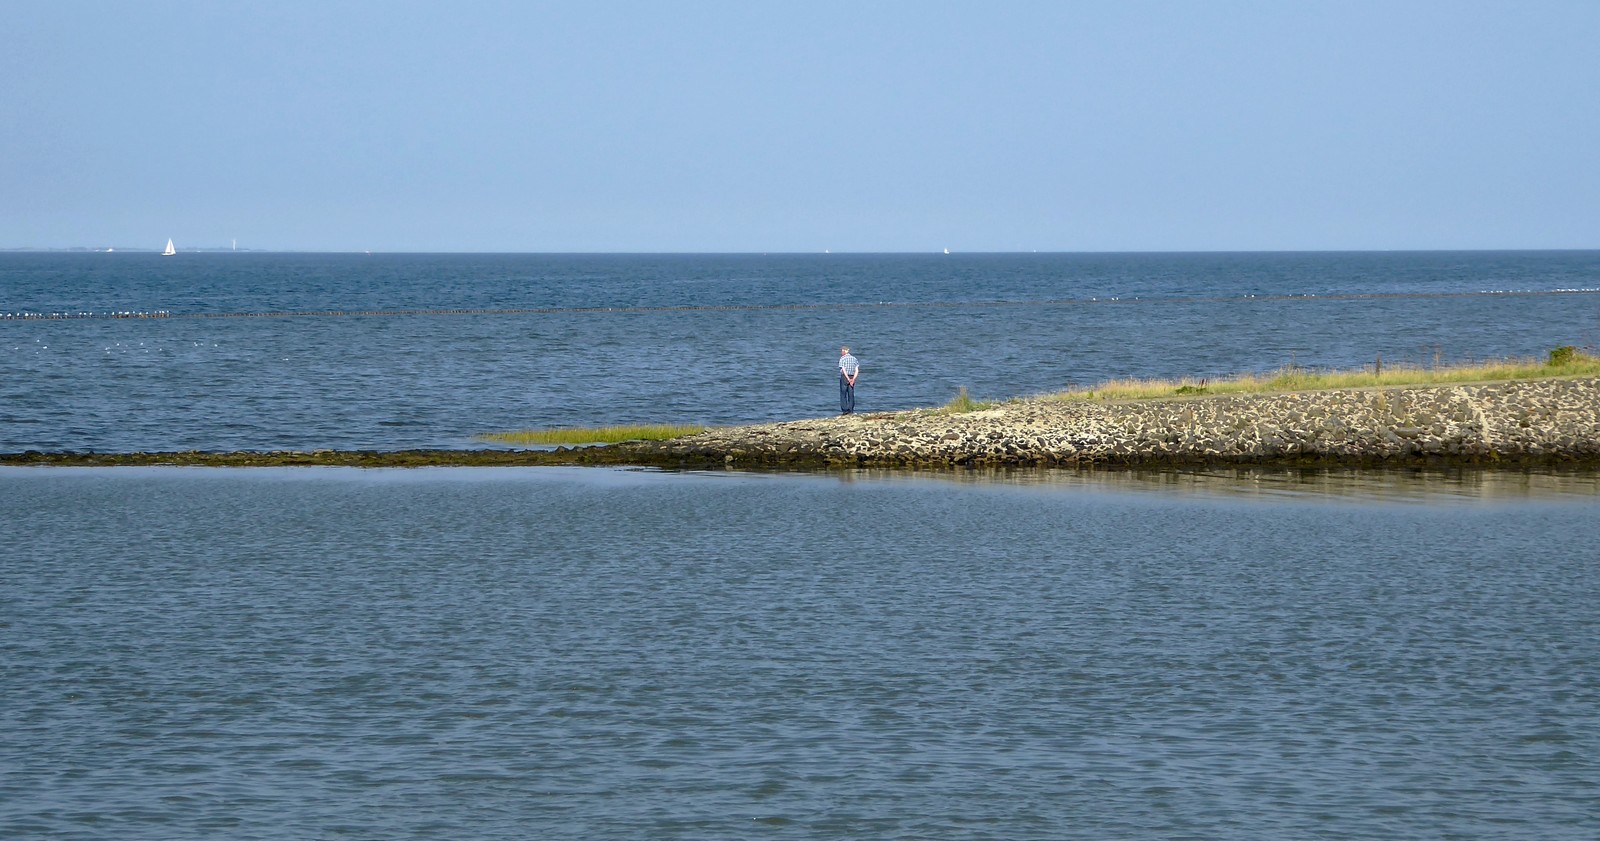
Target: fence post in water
1378	368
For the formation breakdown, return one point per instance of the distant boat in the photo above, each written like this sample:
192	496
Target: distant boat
947	251
170	250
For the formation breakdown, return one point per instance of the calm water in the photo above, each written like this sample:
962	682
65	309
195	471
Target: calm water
388	382
612	654
548	653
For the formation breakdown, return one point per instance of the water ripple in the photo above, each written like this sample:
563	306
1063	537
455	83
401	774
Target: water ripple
570	654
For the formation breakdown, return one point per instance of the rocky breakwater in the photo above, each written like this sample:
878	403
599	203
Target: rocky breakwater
1524	421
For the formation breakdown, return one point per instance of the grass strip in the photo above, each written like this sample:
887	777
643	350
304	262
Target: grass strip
594	434
1563	362
964	402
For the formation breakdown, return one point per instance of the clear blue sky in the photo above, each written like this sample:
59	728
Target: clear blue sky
802	126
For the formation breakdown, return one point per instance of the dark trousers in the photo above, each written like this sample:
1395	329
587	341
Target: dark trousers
847	395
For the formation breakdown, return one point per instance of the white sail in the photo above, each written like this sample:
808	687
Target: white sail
170	250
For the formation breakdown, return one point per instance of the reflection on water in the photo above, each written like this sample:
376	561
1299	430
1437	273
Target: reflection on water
1424	486
1420	485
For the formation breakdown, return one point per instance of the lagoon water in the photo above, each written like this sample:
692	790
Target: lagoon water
554	653
493	653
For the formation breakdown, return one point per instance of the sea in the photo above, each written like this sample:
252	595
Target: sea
579	653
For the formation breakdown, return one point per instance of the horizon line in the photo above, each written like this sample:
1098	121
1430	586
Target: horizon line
78	249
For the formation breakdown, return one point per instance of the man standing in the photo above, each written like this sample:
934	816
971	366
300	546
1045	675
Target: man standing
849	369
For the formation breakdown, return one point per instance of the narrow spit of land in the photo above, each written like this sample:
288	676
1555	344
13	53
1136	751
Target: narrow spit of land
1524	422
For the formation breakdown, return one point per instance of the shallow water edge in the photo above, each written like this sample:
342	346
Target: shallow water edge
644	455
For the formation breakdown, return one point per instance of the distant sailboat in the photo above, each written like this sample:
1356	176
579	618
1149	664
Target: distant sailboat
170	250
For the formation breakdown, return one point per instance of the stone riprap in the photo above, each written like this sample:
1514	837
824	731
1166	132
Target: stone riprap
1541	420
1537	421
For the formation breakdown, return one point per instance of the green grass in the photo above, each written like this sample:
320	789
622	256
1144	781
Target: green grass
594	434
1563	362
963	402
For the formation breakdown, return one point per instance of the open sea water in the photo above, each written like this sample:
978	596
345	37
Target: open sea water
719	339
599	653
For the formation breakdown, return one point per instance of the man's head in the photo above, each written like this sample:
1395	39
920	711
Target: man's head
843	351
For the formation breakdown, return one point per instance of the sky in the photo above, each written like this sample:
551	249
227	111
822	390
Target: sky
676	126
